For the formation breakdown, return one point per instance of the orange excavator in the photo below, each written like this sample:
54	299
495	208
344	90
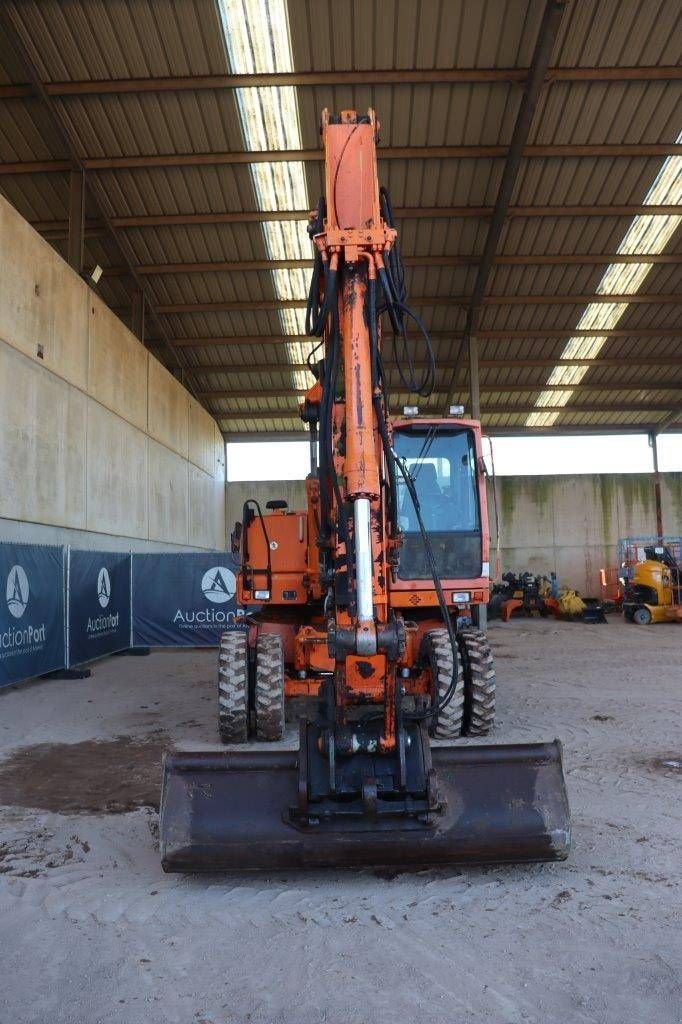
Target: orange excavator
366	601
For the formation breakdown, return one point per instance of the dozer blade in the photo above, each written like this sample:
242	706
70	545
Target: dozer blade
228	812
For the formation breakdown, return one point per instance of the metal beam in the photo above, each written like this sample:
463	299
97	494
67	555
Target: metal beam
303	79
209	369
36	167
486	335
57	227
491	410
491	430
76	220
401	213
657	484
112	163
569	430
427	300
247	266
138	314
458	389
549	27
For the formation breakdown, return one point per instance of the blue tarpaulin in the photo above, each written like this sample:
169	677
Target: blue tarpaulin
184	600
99	604
32	612
115	601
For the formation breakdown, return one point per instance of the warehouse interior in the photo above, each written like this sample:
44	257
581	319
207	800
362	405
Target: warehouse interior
159	162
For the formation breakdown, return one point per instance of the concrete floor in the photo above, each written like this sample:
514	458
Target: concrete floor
92	931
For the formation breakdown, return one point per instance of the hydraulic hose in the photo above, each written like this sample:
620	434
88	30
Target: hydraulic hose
447	621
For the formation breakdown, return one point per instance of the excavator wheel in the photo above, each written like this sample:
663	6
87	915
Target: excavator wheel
233	687
269	687
437	650
479	682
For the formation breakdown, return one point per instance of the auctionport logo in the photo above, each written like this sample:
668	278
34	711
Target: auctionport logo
17	591
103	587
24	638
218	584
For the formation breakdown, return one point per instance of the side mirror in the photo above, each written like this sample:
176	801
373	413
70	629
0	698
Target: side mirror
236	539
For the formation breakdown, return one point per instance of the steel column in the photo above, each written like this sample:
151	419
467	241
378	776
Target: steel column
138	312
547	34
657	483
76	224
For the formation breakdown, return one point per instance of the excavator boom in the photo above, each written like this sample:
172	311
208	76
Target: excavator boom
367	600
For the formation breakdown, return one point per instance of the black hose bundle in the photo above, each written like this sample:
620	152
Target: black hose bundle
392	278
436	705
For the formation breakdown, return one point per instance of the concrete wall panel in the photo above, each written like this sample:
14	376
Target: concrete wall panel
293	491
168	495
42	444
66	353
168	409
671	502
25	283
202	430
118	366
589	514
117	474
219	464
202	526
75	380
222	527
43	302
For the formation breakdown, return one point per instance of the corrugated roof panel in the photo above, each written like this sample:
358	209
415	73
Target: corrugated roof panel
174	190
387	34
571	235
614	34
27	133
139	124
95	39
588	181
212	287
197	243
139	38
606	112
41	197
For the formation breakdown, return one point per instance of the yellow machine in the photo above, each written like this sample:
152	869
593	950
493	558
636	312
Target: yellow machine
651	580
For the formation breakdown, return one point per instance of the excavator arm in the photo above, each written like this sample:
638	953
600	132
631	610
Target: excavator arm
386	642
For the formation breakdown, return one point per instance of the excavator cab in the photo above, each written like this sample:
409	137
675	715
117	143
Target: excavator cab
448	475
367	600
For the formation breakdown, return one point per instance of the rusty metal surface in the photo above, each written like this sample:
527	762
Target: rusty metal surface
225	811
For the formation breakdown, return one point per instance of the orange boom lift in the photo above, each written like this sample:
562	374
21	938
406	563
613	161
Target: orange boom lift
364	600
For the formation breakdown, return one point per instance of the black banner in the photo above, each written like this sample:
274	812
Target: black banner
99	604
31	611
184	600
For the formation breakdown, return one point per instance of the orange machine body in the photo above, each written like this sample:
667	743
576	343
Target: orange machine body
292	567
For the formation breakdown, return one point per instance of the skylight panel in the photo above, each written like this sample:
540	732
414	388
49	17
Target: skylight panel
258	41
647	235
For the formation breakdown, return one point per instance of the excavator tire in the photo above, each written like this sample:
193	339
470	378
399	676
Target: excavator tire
269	687
479	682
437	649
233	687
